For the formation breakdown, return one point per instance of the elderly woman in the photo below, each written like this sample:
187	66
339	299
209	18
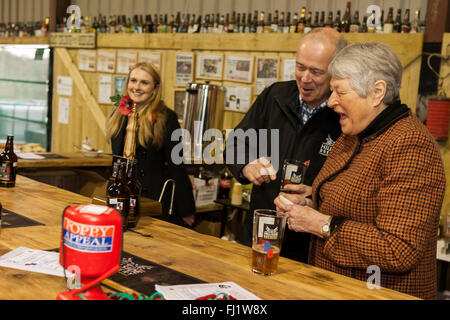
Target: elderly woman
377	199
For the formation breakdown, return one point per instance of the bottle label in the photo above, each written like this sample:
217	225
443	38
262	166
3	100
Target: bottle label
122	205
225	183
8	171
388	28
354	28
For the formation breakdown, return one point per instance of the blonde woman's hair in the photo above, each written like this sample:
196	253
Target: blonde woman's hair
149	130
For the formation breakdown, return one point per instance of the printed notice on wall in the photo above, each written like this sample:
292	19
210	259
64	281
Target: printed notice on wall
64	86
104	88
183	71
106	61
151	57
63	110
238	98
125	60
87	60
289	69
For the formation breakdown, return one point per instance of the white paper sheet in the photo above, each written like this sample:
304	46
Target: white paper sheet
104	88
29	156
63	110
64	86
194	291
27	259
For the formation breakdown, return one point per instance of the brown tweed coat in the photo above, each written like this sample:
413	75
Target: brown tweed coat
390	185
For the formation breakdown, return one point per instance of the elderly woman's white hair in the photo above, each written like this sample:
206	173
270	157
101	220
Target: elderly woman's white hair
364	64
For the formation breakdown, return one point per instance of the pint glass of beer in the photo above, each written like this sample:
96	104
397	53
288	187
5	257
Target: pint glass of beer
268	232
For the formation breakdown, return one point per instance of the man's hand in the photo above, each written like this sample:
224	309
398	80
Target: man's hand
189	220
259	171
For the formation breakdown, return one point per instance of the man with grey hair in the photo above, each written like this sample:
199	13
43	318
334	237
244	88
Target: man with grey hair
295	111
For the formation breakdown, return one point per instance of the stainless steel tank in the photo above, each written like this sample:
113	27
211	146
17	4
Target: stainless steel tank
203	110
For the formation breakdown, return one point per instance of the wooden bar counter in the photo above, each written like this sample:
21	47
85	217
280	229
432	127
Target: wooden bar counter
201	256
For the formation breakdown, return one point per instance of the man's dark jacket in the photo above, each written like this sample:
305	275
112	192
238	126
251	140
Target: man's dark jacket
277	108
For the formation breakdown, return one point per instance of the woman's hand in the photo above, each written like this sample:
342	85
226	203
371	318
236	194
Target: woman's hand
298	195
302	218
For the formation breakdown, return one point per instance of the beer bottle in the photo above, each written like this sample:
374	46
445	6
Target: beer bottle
281	23
274	23
389	23
364	28
415	23
177	23
329	23
316	20
398	22
224	185
231	23
354	27
268	24
287	24
345	23
293	27
135	193
322	19
254	24
170	26
221	25
243	25
406	25
118	195
248	25
302	21
237	26
260	26
337	21
8	164
308	25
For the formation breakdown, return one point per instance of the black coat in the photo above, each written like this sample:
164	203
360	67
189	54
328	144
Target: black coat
273	109
155	167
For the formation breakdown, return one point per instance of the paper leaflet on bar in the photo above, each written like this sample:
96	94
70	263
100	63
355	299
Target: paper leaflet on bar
194	291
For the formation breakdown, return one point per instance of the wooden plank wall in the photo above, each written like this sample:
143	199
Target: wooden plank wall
83	123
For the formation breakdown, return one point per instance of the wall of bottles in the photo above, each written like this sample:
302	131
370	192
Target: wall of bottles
31	13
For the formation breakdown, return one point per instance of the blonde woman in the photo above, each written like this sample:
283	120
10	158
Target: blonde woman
142	131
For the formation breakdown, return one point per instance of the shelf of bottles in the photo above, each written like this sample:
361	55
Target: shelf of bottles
256	22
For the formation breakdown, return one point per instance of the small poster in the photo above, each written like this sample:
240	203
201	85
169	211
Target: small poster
63	110
209	66
179	101
125	60
87	60
106	61
119	83
238	68
151	57
64	86
237	98
289	69
266	72
104	89
184	67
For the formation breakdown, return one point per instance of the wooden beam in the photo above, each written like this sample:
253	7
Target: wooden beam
437	20
83	89
57	12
